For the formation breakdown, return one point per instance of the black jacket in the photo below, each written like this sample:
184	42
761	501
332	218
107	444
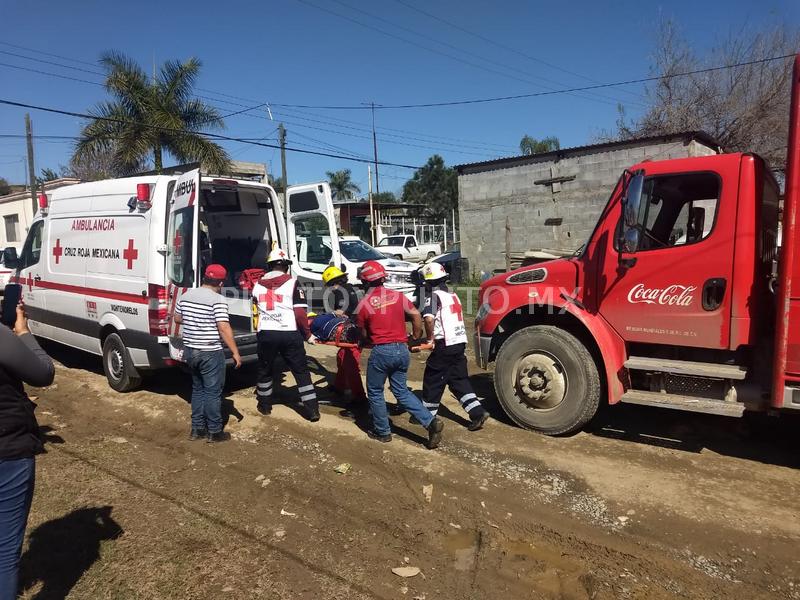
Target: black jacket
21	361
342	296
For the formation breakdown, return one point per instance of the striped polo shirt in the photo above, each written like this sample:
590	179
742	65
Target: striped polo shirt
201	309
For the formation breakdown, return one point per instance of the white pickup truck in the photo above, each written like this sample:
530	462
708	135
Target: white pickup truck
405	247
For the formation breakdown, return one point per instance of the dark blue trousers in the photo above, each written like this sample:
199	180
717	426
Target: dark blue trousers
16	492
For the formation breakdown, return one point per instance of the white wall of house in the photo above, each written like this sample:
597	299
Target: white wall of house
16	213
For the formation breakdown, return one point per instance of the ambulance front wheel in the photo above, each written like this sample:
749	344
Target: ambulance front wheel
546	380
117	364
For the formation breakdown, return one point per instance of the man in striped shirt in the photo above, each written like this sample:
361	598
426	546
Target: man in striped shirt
203	315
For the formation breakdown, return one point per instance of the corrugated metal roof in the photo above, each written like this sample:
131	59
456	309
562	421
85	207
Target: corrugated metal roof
513	161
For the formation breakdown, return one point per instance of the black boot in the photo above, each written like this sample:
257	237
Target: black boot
377	436
197	434
264	409
478	421
219	436
435	433
312	410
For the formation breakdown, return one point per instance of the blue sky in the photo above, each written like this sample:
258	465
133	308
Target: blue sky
294	52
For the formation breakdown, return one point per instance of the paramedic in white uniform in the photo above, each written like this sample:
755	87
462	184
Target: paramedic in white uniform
281	319
447	363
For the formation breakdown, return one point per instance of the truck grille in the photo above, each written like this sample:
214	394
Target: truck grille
402	278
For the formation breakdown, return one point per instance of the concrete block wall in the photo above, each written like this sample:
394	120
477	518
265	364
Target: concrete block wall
486	198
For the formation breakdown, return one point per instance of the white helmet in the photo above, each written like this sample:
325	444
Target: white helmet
278	255
433	271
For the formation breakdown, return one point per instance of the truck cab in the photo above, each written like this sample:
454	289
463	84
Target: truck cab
678	299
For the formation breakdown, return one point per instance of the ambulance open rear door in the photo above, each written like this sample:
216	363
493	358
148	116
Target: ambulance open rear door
313	235
182	240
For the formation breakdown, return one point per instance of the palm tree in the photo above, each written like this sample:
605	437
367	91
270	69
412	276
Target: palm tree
530	145
342	186
148	117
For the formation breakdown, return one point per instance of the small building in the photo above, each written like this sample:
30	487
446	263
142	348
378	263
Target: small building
551	201
16	212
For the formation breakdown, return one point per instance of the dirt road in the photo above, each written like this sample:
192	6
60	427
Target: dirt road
646	504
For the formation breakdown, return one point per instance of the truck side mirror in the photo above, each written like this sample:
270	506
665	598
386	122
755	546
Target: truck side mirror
632	218
10	258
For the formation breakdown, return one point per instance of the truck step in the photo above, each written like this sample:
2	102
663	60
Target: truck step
688	403
686	367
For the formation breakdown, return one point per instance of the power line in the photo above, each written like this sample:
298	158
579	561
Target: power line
75	60
417	44
215	136
455	102
498	44
247	109
538	94
393	23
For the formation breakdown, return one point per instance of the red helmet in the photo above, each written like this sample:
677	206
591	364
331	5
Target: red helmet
372	271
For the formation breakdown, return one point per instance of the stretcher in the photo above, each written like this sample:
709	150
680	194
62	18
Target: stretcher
418	348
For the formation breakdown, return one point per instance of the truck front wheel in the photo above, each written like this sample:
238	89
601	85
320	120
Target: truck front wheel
546	380
118	366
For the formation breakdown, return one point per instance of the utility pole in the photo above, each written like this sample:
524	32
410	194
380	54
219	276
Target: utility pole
375	150
282	138
371	209
31	169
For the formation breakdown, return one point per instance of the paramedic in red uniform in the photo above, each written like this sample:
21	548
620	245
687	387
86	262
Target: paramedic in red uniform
340	298
382	314
447	363
281	319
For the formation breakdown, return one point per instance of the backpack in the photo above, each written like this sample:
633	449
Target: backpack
249	278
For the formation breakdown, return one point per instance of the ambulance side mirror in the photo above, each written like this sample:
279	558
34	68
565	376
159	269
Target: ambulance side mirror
10	258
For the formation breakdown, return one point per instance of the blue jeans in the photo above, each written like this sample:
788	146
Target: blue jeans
208	377
391	361
16	491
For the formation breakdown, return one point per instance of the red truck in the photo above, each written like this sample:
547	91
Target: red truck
681	298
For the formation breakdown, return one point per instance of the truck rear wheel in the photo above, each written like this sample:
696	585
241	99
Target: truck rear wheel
118	366
546	380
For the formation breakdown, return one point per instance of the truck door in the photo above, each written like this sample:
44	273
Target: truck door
30	270
672	285
312	232
182	235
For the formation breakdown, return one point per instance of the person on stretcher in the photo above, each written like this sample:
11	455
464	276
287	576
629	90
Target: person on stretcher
340	300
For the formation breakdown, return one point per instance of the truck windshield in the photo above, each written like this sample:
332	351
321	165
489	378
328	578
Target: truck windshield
358	251
392	240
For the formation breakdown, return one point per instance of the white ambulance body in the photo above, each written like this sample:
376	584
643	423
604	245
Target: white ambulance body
104	268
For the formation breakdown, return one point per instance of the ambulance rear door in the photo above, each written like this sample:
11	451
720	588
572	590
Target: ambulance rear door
313	235
181	263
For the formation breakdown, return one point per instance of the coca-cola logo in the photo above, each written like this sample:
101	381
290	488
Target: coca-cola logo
672	295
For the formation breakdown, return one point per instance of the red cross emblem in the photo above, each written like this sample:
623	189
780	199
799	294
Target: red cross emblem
58	251
177	243
29	281
455	308
269	299
282	254
130	254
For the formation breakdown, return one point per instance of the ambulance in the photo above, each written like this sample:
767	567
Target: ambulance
105	263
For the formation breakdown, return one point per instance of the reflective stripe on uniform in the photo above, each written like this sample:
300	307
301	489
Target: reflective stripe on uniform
305	388
308	397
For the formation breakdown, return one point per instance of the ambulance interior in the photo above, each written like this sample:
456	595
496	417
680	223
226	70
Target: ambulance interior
238	225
